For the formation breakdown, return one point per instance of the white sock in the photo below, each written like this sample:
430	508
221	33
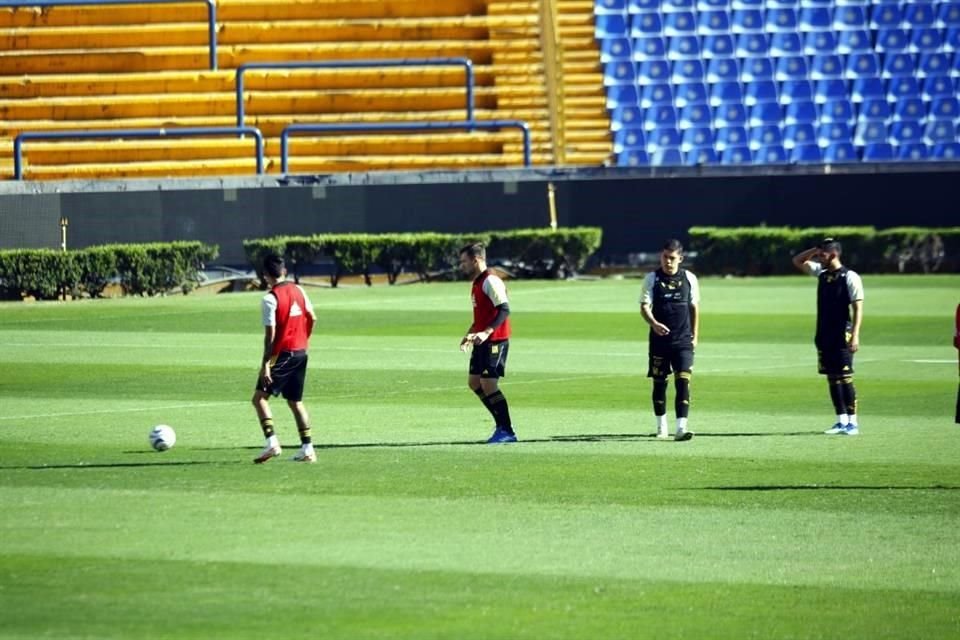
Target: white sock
843	419
853	419
661	423
681	425
273	441
307	448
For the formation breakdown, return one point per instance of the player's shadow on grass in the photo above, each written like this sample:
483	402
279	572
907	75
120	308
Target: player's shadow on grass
839	487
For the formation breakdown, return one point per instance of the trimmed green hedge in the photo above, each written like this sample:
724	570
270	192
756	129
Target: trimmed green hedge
769	250
139	269
559	253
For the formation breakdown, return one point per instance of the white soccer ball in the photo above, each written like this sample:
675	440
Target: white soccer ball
162	437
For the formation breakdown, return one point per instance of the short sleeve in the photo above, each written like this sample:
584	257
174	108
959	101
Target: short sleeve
646	289
854	286
694	288
495	289
812	268
268	308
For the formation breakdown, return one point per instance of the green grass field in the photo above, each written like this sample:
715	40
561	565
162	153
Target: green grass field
408	527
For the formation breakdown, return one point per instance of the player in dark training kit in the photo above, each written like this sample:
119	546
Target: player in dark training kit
839	291
488	338
670	304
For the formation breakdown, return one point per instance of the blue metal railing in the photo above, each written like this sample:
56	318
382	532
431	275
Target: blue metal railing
185	132
356	127
211	13
466	63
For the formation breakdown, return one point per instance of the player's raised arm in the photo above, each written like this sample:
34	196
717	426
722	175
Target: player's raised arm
803	257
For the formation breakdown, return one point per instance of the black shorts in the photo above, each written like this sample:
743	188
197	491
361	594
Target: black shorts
287	374
489	359
835	362
665	360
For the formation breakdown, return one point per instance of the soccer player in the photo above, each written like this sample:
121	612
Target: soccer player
839	290
288	320
489	339
670	304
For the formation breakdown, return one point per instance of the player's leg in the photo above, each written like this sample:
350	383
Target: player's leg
828	365
261	403
295	377
491	368
682	363
658	368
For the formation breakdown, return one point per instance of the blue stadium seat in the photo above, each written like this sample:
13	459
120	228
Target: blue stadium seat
944	108
655	94
695	115
633	158
925	40
765	135
612	25
826	66
875	109
717	46
864	63
679	23
752	44
933	64
897	65
685	47
819	42
629	138
906	132
940	132
866	88
919	14
951	40
690	93
853	41
765	113
770	154
892	40
757	69
713	23
759	92
806	154
870	133
797	135
830	89
625	95
660	117
646	24
618	72
791	68
795	91
783	3
878	152
781	19
725	93
800	112
936	87
746	4
840	110
615	49
948	14
955	67
949	151
653	71
643	6
885	16
674	6
607	7
687	71
736	155
722	70
849	18
696	138
731	138
909	109
814	19
703	155
903	87
663	138
666	157
709	5
747	21
730	115
786	43
912	152
649	48
833	132
840	152
625	116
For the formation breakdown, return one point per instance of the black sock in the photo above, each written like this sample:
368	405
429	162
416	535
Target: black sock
497	404
836	395
659	396
682	401
486	403
304	432
849	393
266	424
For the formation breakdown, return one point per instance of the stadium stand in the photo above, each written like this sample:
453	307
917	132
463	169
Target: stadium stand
146	66
799	81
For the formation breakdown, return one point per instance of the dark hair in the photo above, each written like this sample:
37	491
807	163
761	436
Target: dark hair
672	245
474	250
273	265
829	244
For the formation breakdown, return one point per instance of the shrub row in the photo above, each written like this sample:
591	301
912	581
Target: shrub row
528	252
768	250
139	269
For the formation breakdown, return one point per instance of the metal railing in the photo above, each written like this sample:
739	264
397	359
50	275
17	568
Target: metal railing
358	127
211	13
184	132
466	63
